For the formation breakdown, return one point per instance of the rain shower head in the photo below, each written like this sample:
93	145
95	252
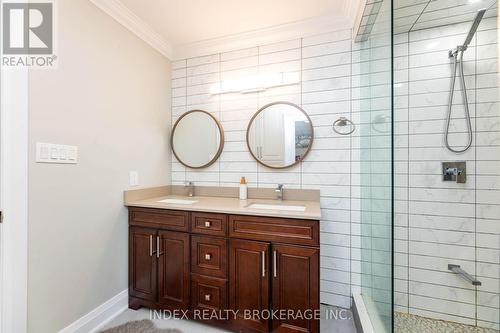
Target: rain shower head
473	28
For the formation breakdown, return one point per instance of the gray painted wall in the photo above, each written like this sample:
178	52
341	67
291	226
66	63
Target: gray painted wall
110	96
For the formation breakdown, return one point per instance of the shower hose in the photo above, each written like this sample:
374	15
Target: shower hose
458	61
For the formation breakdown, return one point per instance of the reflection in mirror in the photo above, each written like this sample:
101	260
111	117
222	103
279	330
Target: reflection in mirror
280	135
197	139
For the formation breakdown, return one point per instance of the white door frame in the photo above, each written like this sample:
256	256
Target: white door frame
13	199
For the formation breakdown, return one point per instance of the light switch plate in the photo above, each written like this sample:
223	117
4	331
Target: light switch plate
54	153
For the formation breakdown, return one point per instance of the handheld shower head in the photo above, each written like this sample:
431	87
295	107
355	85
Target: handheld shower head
473	28
458	56
472	31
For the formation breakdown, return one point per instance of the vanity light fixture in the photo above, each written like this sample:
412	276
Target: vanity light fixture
256	83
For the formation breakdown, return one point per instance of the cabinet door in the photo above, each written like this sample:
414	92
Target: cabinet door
295	286
173	269
142	263
249	281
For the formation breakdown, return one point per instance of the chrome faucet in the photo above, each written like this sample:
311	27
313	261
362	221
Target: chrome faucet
279	191
190	186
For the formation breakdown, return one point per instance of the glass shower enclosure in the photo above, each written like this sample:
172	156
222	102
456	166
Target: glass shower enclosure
374	41
429	170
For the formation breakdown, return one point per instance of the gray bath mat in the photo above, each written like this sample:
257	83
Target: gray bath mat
140	326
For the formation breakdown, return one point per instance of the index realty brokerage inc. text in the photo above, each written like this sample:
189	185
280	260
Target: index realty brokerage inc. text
207	314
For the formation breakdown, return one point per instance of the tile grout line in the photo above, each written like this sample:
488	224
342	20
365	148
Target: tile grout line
350	173
258	108
408	178
220	109
301	102
185	110
475	183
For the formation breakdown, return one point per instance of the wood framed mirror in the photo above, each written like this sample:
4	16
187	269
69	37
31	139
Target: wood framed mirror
280	135
197	139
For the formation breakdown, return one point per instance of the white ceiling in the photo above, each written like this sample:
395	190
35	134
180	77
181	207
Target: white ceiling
188	21
185	22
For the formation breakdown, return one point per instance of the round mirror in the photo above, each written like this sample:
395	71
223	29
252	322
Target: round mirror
197	139
280	135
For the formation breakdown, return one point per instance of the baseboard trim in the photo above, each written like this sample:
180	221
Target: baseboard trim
100	316
360	314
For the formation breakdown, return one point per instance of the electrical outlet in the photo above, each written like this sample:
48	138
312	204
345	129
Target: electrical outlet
133	178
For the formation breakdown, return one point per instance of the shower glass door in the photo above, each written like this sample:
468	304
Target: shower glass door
374	41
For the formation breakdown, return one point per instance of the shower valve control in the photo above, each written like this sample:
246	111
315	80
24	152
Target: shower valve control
454	172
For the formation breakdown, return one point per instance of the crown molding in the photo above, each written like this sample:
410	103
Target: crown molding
118	11
264	36
135	24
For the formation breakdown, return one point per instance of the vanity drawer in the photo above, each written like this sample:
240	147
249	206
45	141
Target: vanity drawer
208	293
209	256
275	229
209	224
159	218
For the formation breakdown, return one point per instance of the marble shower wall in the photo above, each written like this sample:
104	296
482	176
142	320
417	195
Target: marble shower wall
443	222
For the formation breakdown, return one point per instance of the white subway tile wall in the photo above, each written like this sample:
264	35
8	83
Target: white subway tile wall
324	63
438	222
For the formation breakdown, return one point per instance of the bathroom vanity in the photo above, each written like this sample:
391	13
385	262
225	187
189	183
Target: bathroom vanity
219	253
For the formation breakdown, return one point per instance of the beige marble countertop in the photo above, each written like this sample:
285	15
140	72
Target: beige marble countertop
231	205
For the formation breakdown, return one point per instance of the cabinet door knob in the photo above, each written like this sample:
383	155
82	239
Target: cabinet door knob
208	224
207	297
208	256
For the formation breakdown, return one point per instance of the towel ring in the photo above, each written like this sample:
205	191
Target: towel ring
341	122
381	120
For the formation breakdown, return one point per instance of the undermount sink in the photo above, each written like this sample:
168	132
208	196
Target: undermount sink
277	207
178	201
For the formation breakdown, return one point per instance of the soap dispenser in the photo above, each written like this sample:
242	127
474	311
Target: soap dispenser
243	189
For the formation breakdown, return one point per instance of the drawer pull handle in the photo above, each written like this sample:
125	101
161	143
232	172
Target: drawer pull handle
263	263
207	297
275	274
208	224
208	256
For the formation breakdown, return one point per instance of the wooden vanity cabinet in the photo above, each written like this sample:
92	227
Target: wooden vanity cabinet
158	259
173	269
295	285
142	263
200	261
250	279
